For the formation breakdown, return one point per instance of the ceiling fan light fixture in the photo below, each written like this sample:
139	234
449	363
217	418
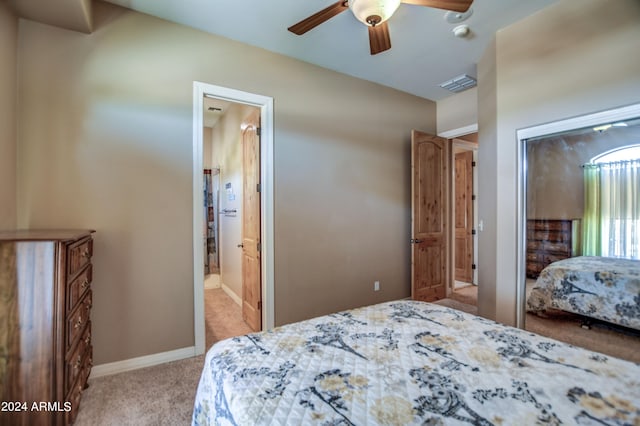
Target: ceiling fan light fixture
373	12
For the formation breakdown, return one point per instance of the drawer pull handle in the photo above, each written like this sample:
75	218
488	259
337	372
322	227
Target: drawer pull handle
78	362
87	340
85	254
78	323
85	283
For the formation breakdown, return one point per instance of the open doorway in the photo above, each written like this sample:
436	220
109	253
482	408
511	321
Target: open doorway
464	219
444	222
222	126
462	246
228	184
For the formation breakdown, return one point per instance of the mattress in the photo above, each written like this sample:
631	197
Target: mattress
599	287
409	362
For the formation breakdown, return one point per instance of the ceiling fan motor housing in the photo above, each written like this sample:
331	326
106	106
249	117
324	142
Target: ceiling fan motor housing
373	12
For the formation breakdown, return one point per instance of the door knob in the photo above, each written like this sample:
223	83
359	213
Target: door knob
416	241
240	245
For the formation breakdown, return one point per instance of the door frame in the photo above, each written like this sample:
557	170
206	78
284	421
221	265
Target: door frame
451	135
265	103
522	135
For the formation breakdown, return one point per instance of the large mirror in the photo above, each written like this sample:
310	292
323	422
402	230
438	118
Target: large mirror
579	222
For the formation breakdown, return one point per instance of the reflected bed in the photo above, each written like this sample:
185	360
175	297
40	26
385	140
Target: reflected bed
604	288
409	362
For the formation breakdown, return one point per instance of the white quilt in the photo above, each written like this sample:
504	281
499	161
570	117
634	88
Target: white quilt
409	362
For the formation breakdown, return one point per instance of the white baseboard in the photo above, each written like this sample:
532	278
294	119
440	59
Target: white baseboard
461	284
141	362
232	295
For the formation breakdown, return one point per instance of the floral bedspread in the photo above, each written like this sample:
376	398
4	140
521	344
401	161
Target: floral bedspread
409	362
597	287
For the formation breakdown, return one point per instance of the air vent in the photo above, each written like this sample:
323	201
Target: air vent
459	84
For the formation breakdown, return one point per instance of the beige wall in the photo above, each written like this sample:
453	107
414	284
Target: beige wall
227	143
487	182
555	180
8	59
457	111
70	14
105	142
570	59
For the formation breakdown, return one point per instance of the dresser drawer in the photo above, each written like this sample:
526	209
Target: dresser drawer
78	287
560	247
75	392
533	270
75	360
532	256
554	236
78	319
78	255
550	258
549	225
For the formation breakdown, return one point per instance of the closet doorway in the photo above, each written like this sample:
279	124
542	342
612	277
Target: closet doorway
233	219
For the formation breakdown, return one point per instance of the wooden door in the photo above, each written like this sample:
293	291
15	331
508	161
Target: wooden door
463	216
430	220
251	270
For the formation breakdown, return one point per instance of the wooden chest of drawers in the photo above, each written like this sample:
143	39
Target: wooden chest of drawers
547	241
45	327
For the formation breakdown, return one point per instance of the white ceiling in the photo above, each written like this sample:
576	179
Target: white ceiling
211	116
424	50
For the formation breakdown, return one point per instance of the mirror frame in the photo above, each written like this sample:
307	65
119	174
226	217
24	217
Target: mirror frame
548	129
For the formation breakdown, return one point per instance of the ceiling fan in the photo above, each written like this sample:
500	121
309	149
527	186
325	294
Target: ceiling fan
374	14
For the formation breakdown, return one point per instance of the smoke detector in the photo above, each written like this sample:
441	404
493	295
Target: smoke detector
461	31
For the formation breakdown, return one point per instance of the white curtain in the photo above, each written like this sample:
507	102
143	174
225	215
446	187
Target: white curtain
613	209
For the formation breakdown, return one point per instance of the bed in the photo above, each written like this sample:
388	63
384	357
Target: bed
409	362
597	287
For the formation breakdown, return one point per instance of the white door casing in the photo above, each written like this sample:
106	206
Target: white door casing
265	103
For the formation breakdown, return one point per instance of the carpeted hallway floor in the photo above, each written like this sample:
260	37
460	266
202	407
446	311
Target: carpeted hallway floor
162	394
222	316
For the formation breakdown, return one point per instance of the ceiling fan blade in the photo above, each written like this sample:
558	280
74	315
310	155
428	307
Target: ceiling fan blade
379	39
318	18
455	5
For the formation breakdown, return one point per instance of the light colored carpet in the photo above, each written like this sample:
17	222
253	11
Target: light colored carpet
602	337
159	395
464	307
463	299
468	295
564	326
223	317
162	394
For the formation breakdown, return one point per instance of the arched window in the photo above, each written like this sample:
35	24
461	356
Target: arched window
626	153
611	223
